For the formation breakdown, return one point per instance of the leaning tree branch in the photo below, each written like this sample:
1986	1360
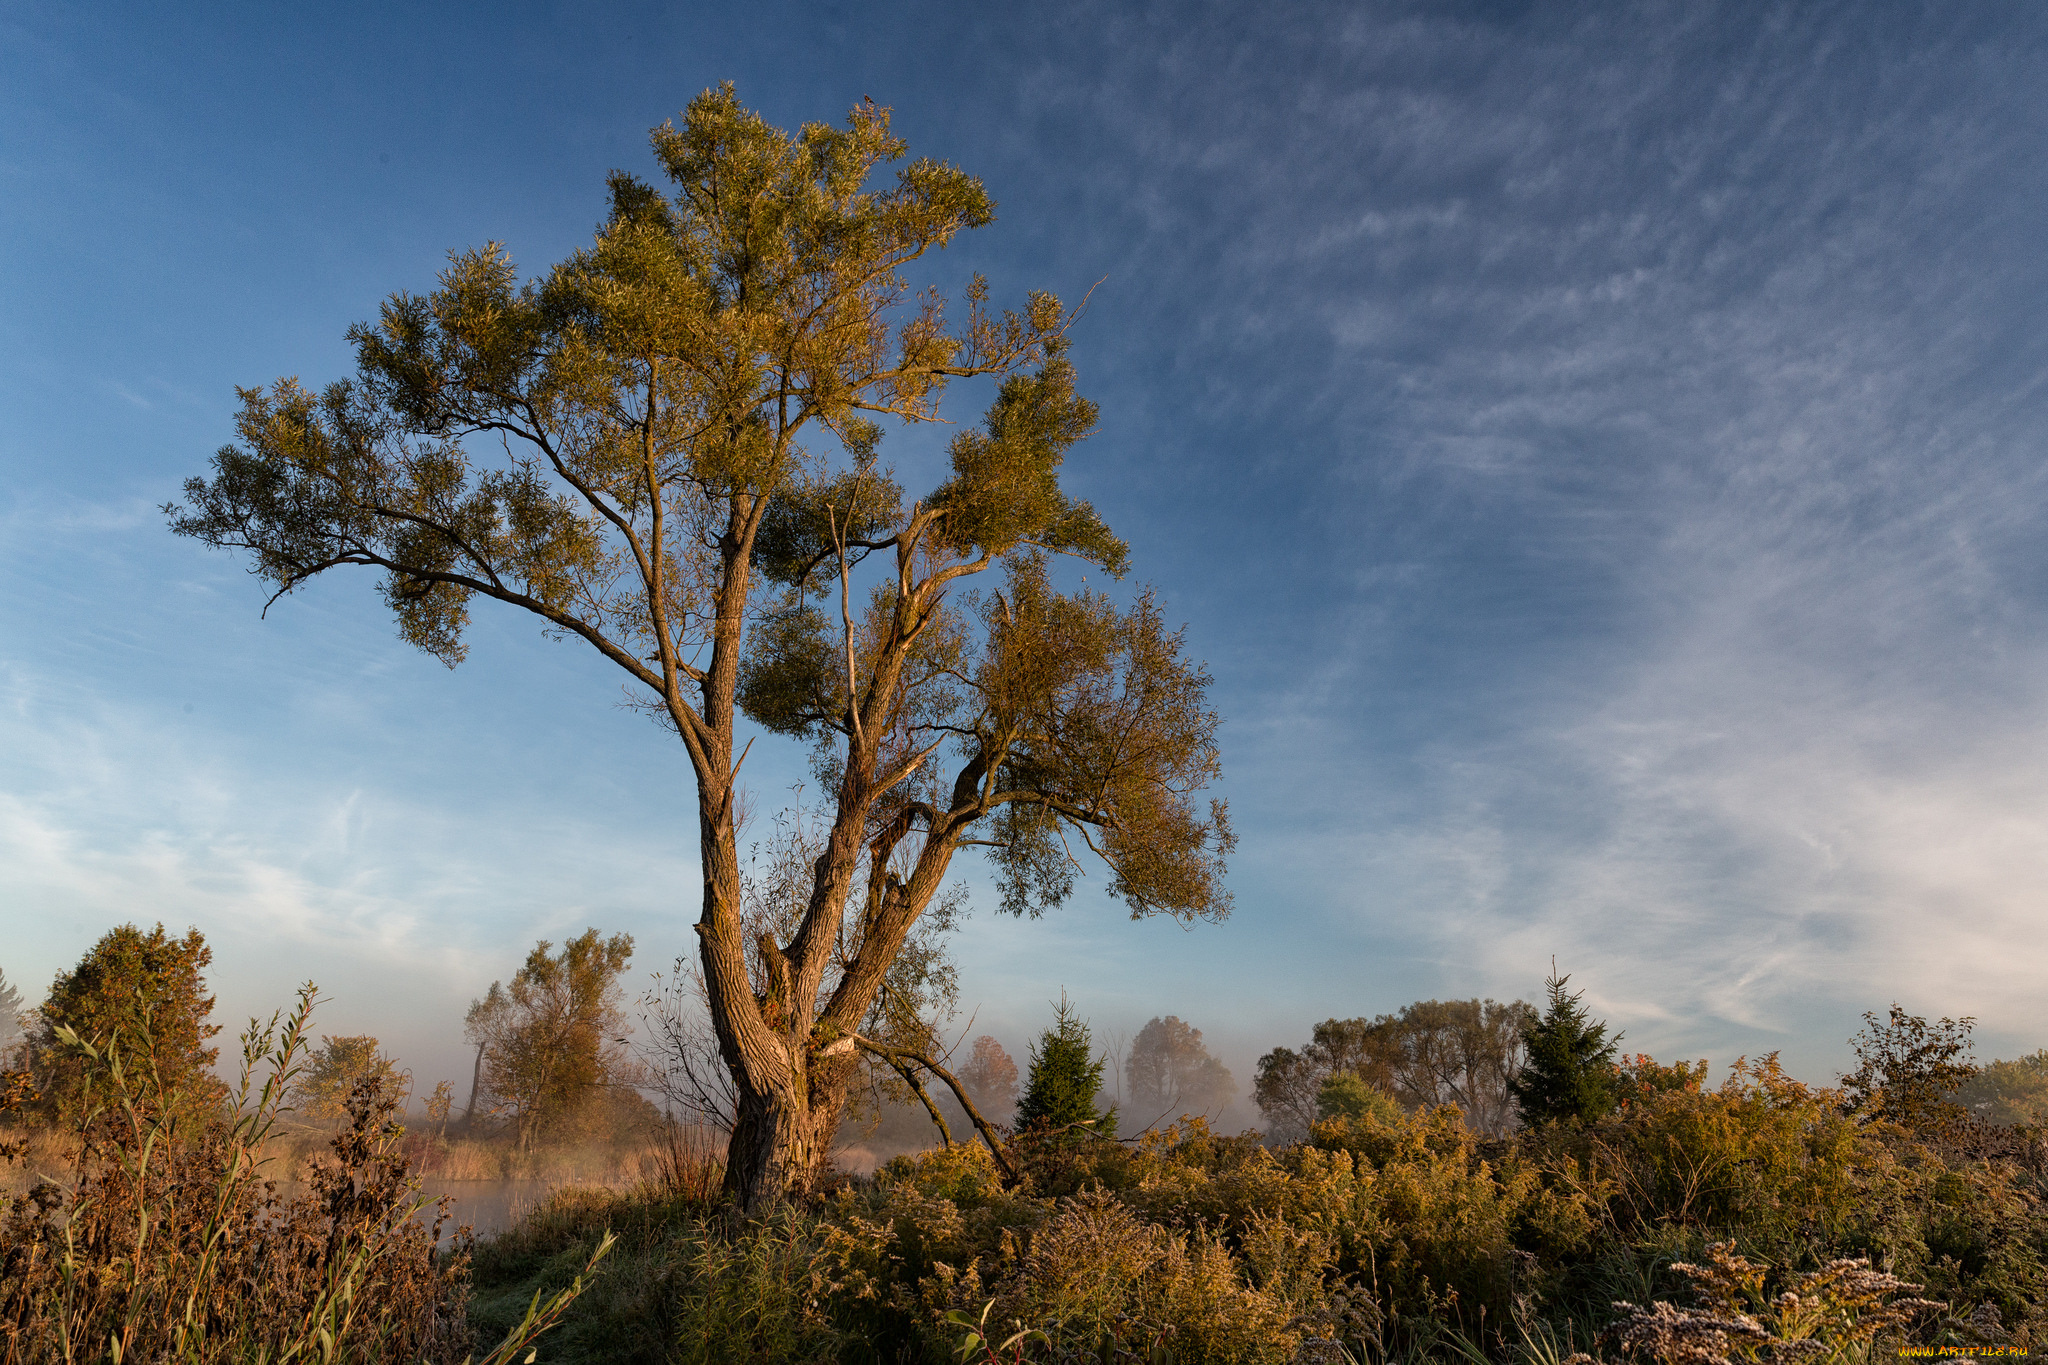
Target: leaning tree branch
900	1058
903	1069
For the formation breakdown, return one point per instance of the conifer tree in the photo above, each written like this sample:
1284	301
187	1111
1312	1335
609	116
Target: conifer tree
1570	1069
1064	1079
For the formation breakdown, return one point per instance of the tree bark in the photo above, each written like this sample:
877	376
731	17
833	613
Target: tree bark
779	1141
476	1077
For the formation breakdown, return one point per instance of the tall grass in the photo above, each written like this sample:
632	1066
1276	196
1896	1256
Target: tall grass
1386	1240
169	1241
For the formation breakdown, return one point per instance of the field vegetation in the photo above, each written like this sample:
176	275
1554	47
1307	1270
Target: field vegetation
1617	1209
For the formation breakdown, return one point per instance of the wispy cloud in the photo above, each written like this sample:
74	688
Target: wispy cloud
1597	449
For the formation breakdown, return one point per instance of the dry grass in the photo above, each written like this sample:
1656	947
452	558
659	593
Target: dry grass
165	1239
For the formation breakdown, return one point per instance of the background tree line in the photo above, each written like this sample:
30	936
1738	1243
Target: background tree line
1462	1052
553	1062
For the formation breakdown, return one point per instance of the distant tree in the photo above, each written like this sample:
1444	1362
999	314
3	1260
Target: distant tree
143	997
990	1077
333	1071
1171	1073
1347	1096
484	1027
1285	1084
2009	1092
13	1030
1462	1052
1432	1052
438	1105
1065	1078
1908	1071
1570	1072
558	1040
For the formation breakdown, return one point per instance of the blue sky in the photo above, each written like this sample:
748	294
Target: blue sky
1598	450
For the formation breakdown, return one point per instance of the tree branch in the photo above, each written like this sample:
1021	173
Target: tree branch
898	1057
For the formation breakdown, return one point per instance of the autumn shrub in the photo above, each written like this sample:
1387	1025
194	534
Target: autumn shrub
1384	1238
168	1242
1764	1156
1787	1176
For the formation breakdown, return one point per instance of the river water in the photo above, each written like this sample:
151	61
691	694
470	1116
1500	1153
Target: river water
487	1206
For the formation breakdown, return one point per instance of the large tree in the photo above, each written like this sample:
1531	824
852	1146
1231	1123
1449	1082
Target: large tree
667	448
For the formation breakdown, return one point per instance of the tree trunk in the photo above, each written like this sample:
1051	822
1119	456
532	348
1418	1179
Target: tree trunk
476	1077
779	1147
774	1153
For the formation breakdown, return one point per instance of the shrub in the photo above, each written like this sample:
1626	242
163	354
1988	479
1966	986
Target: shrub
1388	1236
1348	1096
1908	1071
170	1245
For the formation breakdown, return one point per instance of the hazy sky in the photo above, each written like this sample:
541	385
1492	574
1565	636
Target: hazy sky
1597	448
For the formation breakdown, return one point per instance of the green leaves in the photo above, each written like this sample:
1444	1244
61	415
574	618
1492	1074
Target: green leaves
1105	725
791	681
1570	1071
812	517
1005	487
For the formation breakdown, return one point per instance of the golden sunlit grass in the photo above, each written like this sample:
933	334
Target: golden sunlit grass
166	1238
1763	1220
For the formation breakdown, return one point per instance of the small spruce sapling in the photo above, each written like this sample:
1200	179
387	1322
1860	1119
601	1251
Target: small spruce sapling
1064	1079
1570	1071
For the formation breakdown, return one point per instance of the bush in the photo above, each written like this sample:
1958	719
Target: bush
1386	1236
1345	1096
170	1245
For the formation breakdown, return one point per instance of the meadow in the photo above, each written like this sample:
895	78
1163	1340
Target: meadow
1761	1219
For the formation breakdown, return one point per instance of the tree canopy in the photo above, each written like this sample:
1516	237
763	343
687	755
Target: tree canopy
140	998
667	447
